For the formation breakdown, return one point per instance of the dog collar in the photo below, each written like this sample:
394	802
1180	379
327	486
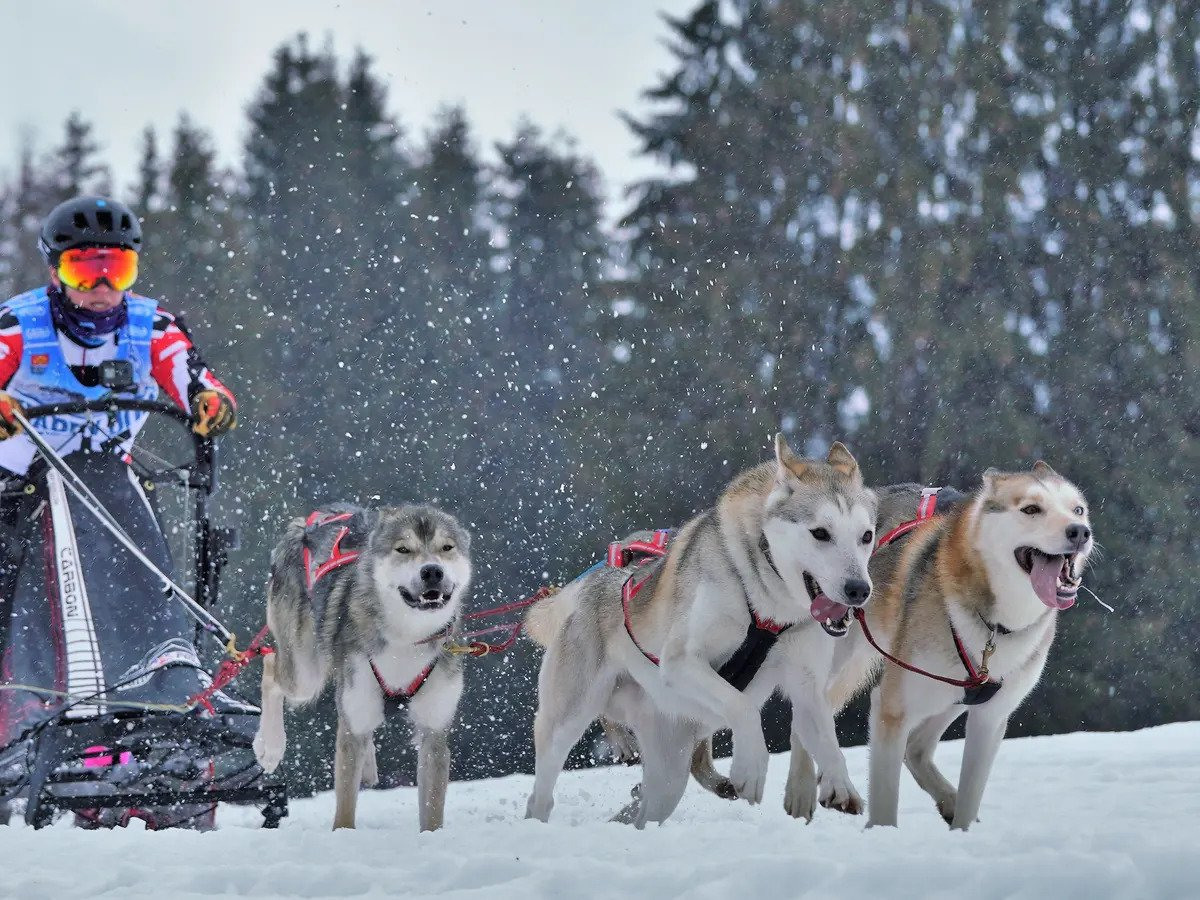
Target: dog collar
765	549
994	627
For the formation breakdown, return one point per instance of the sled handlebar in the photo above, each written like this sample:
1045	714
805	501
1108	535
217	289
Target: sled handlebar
203	475
110	404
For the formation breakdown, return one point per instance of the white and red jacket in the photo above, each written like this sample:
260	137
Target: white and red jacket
41	364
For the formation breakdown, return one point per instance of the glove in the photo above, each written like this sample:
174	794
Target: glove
213	414
9	426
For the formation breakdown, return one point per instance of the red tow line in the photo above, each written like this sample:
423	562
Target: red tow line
231	668
979	677
477	648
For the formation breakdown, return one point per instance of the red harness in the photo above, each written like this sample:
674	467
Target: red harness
337	556
746	660
978	684
404	694
637	554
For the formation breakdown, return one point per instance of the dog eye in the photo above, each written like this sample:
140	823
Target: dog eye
820	534
868	536
1079	510
1031	510
403	550
446	548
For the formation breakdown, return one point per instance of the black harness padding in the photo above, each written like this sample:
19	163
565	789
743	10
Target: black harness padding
761	634
739	670
973	696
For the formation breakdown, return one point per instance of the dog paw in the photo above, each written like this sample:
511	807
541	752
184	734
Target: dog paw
748	774
622	745
839	794
537	809
800	799
725	790
946	806
268	750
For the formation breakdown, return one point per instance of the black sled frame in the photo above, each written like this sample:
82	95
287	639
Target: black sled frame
63	772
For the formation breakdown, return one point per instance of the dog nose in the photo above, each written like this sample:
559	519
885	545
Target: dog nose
432	573
857	591
1078	534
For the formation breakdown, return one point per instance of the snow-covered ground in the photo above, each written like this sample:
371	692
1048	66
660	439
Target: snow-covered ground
1079	815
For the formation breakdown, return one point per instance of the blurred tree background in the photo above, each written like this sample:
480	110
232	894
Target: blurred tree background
952	235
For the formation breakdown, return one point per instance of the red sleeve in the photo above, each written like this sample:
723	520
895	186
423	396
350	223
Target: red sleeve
176	364
12	345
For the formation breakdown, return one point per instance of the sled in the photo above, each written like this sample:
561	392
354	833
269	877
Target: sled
107	707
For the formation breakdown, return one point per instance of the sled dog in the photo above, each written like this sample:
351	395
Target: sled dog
366	598
748	598
853	665
978	588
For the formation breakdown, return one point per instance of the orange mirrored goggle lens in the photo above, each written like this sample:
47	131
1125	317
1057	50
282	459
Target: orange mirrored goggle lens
84	268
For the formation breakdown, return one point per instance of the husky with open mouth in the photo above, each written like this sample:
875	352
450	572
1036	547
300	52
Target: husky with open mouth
976	592
750	597
368	598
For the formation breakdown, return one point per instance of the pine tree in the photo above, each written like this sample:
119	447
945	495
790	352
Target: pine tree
148	188
75	167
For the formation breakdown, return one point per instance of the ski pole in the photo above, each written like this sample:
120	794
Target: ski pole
85	496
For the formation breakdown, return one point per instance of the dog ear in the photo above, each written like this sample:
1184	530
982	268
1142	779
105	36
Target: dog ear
788	463
1042	468
843	461
991	475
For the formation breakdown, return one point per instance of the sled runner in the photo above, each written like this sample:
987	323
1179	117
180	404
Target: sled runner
107	706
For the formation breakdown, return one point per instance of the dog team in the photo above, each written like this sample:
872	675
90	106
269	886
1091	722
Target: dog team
800	579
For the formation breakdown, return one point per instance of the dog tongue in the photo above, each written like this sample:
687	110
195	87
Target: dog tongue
1044	577
823	608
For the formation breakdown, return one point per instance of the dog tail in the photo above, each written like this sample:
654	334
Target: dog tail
546	618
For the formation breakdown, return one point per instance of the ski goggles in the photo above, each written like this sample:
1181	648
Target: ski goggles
84	268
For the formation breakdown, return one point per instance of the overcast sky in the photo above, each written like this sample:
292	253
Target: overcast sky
124	65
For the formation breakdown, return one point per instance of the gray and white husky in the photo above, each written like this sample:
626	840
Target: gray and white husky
367	598
787	544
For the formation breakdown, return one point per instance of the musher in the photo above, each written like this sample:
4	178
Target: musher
101	625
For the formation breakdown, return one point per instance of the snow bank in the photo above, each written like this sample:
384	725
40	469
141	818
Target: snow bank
1079	815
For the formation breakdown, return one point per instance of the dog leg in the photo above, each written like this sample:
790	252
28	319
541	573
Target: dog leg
347	773
433	776
889	734
569	700
620	740
813	727
665	745
800	796
706	773
697	681
370	769
919	759
984	733
271	739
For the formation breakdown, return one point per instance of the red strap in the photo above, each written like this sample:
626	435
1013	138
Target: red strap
769	625
413	686
230	669
540	594
629	590
974	681
337	558
925	511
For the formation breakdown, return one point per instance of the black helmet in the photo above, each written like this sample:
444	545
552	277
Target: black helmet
88	222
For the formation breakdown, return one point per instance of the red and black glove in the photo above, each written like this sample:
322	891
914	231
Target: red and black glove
213	414
9	426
